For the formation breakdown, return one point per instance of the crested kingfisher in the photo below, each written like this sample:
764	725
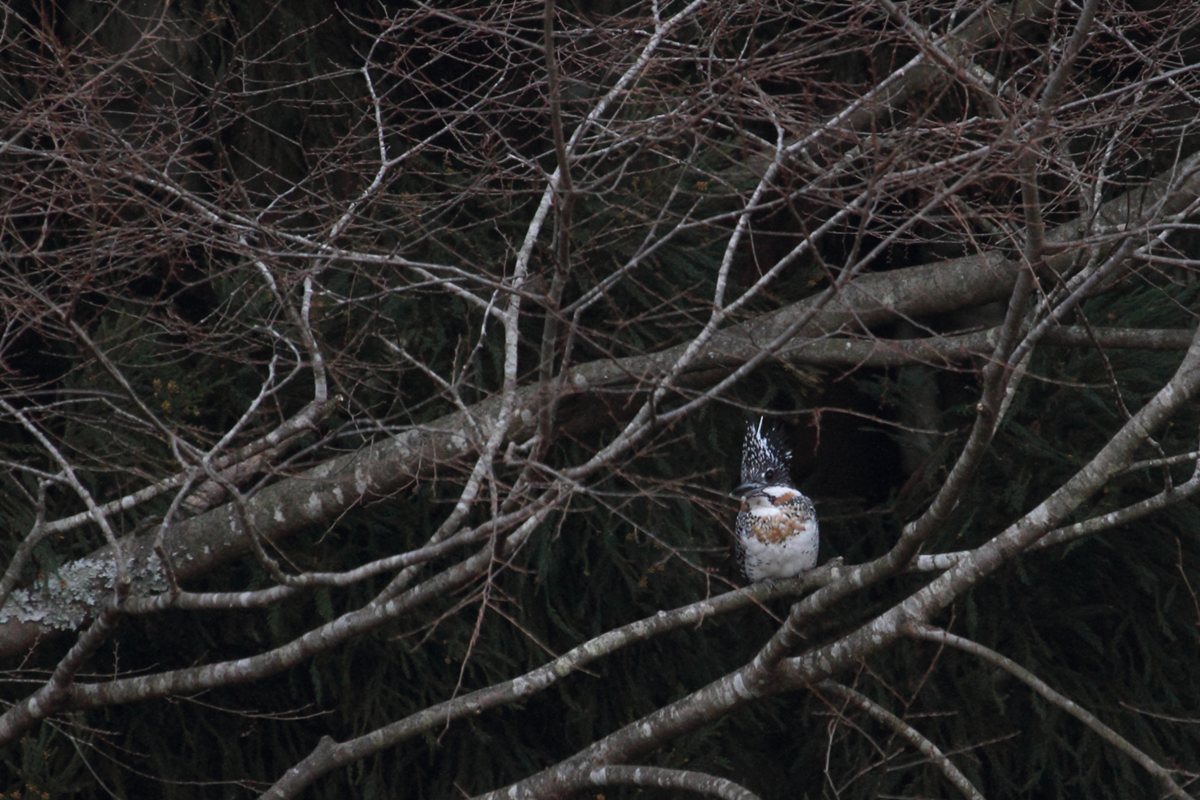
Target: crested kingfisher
776	533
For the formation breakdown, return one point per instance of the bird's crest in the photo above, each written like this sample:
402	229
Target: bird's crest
765	454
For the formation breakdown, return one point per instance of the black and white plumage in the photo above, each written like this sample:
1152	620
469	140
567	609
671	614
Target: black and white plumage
776	533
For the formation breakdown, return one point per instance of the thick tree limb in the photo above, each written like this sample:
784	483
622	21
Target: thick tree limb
951	349
662	778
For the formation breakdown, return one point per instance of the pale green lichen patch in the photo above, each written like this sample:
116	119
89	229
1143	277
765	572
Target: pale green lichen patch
65	599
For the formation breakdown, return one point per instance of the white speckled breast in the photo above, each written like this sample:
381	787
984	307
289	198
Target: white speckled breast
777	534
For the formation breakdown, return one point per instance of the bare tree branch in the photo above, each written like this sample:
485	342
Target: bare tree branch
1165	780
906	732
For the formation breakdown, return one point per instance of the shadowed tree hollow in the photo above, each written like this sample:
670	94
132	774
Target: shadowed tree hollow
373	377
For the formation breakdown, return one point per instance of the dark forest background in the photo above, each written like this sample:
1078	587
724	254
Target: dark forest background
314	286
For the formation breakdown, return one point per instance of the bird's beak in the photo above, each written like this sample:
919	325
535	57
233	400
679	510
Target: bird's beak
747	488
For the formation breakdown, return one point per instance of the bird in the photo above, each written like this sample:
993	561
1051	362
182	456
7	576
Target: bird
776	535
